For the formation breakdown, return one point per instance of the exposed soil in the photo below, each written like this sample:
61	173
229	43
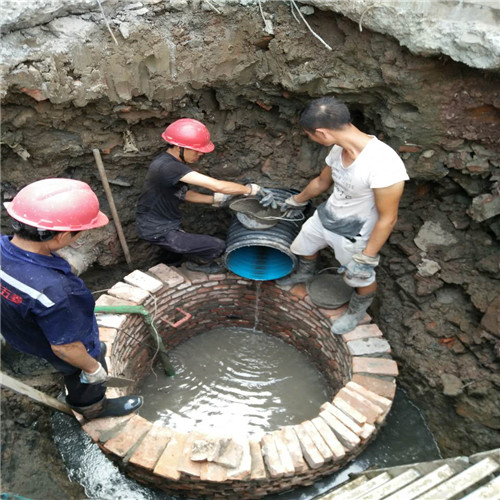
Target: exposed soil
69	88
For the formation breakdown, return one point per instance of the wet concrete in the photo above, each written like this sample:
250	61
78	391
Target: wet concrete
234	378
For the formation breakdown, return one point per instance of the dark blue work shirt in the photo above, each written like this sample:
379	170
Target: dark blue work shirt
44	304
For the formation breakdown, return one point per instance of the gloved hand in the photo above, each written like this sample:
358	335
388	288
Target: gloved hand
293	208
265	196
360	267
97	377
221	200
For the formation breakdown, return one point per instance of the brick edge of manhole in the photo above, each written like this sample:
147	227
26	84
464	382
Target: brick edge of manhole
282	459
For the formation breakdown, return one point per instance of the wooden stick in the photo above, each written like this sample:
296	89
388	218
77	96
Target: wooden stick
111	201
32	393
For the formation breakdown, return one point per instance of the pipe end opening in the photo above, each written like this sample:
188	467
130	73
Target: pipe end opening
260	263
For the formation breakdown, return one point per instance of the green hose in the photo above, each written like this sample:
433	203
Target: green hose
169	369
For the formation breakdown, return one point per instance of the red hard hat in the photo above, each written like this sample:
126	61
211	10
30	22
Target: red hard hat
189	133
57	204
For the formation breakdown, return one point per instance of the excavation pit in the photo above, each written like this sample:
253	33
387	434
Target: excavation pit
357	368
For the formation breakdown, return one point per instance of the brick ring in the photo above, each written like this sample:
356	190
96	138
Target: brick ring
357	367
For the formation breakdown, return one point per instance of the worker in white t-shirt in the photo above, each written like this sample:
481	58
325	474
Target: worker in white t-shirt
368	180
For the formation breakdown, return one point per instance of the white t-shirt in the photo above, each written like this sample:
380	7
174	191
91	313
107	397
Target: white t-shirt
350	211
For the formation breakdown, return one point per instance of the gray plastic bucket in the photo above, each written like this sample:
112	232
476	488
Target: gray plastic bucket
262	254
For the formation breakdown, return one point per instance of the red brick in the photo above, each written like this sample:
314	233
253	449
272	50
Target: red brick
258	467
151	447
366	431
362	332
380	401
128	292
310	452
317	439
185	464
108	300
34	93
212	472
271	457
289	437
168	275
366	319
383	387
299	291
144	281
364	406
169	459
407	148
218	277
192	276
133	432
329	437
107	334
348	439
374	366
284	454
334	313
345	419
244	470
99	426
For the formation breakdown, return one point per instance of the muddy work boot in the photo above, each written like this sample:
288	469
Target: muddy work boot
213	267
354	314
305	269
116	407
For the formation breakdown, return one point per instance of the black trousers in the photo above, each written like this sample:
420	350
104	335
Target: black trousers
84	394
201	246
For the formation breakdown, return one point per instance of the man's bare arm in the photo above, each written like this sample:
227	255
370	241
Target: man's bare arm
387	203
76	355
215	185
317	186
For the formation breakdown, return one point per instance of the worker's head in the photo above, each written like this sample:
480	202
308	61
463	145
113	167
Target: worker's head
190	136
52	208
324	115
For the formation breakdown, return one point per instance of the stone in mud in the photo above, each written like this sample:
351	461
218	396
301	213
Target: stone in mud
432	234
206	449
484	207
230	454
426	286
491	318
428	268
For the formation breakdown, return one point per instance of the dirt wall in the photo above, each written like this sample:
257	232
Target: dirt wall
68	88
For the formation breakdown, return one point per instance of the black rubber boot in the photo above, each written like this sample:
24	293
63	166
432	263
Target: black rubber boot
116	407
305	269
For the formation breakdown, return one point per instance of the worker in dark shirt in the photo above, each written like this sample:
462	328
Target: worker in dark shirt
158	217
47	311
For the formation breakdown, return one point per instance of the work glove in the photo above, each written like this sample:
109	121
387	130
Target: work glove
221	200
265	196
97	377
292	208
361	267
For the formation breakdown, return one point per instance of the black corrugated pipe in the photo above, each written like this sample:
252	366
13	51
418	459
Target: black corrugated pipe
262	254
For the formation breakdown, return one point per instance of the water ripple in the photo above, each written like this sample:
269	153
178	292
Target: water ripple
235	378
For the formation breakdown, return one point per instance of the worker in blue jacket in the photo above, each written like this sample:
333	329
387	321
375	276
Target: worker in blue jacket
47	311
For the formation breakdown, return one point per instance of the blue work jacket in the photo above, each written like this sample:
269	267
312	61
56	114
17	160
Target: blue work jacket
44	304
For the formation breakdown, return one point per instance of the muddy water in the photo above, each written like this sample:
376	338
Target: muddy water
234	378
